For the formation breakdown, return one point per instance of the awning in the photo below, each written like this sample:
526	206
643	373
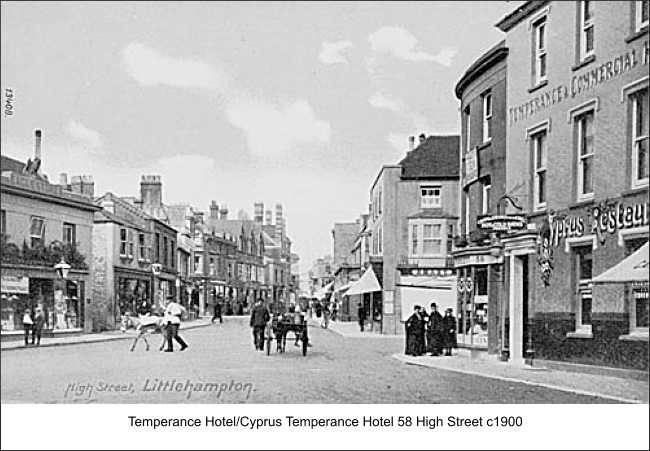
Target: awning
367	284
344	287
323	292
633	269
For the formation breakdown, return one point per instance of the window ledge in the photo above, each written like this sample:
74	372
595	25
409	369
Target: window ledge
637	34
588	60
484	145
580	333
641	189
581	203
538	86
635	336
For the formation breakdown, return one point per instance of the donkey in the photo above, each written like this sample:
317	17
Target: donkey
148	325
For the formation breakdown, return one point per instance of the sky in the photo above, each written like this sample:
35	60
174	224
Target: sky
297	103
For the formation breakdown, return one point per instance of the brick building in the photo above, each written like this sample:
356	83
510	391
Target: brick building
43	223
413	218
482	93
577	162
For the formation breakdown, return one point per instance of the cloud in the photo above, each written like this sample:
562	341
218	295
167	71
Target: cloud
80	132
272	131
379	100
149	67
401	43
331	52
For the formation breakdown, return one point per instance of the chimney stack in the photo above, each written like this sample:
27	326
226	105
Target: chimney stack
279	222
423	138
198	217
269	217
63	179
214	210
83	184
223	213
411	143
259	212
37	144
151	192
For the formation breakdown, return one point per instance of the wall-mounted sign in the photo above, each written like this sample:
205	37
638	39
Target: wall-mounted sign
502	223
476	260
471	166
580	83
16	285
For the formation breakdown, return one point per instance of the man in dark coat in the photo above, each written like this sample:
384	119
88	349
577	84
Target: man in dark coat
361	313
217	310
415	333
448	332
259	317
434	333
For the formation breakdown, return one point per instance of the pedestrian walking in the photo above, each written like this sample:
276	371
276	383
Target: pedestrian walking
259	317
434	332
326	316
449	332
173	314
37	328
217	311
361	313
27	325
415	333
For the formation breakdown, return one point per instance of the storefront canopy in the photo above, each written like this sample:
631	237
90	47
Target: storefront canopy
633	269
323	292
367	284
344	287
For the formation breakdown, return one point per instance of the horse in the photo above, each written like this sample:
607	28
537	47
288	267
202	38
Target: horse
148	325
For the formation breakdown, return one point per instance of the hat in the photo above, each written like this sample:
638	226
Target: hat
417	307
433	304
449	310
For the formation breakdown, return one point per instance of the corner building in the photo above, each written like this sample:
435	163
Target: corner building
577	161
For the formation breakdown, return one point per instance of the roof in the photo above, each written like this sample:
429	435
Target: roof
11	165
436	157
511	20
485	61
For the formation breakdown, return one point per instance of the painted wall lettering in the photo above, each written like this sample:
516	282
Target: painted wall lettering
610	218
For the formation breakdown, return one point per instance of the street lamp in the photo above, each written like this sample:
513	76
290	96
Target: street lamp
62	269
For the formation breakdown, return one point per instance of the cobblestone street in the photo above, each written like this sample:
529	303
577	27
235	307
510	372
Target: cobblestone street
336	370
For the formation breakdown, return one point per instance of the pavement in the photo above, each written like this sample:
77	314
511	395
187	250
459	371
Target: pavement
615	385
93	338
624	386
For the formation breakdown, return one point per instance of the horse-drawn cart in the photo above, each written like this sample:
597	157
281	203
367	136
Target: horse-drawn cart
279	327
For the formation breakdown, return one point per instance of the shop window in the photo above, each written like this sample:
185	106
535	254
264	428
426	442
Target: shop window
430	197
539	54
583	269
637	294
37	231
639	138
641	15
586	29
487	117
69	234
585	154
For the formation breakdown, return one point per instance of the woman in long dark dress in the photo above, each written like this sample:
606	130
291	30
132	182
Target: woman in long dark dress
449	332
415	333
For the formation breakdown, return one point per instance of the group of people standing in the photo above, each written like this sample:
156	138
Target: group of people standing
34	325
430	332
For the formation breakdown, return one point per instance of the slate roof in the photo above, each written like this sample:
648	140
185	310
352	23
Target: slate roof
11	165
436	158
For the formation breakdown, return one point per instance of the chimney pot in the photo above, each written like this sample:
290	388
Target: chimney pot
423	138
411	143
63	179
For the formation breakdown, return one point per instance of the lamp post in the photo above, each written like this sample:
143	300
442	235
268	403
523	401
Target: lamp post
62	269
156	269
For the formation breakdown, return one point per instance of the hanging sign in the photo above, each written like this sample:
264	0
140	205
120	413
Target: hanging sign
502	223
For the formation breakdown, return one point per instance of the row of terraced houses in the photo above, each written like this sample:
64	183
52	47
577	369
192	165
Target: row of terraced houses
127	254
544	188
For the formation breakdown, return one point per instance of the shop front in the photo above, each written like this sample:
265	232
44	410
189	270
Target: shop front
133	293
478	307
63	302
